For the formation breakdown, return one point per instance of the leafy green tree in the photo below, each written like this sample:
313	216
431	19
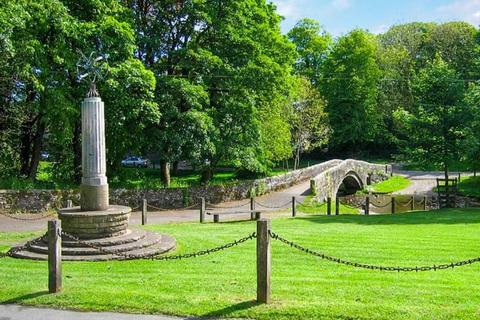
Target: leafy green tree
310	128
312	43
439	125
349	85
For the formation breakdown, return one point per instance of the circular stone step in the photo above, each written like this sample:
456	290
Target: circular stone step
150	244
129	236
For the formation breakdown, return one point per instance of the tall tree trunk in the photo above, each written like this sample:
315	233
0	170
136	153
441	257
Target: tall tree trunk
207	175
25	149
165	167
37	148
77	151
175	168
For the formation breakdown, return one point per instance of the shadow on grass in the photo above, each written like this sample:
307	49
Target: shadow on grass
25	297
230	309
443	216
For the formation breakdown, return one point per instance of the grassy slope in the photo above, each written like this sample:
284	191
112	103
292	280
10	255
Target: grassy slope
393	184
304	287
470	186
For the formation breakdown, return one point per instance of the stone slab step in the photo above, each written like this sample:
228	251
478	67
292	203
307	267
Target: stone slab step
129	236
149	240
166	244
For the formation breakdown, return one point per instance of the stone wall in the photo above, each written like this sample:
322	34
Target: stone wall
40	200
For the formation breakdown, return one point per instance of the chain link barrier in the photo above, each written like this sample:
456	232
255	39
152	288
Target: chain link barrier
370	266
214	206
155	256
14	217
380	206
404	204
283	206
26	246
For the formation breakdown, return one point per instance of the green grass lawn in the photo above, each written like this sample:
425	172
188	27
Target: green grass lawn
393	184
303	287
469	186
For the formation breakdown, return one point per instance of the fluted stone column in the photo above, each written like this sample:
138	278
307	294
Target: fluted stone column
94	187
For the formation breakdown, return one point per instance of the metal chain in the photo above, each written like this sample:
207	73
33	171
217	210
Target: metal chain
285	205
127	256
214	206
403	204
369	266
380	206
11	216
26	246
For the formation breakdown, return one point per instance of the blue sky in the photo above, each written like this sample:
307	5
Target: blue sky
340	16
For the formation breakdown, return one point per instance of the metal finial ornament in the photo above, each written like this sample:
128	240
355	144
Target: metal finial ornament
90	68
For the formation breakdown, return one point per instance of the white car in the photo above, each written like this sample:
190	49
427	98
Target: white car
135	162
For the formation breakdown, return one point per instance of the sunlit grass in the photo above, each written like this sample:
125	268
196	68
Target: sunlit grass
303	286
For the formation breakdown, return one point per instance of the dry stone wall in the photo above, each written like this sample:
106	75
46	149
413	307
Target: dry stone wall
40	200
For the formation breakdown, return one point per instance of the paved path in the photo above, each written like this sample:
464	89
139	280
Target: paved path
273	199
18	312
423	182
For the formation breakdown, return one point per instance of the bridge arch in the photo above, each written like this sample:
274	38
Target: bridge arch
351	183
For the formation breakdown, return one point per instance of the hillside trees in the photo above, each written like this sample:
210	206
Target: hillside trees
349	85
439	125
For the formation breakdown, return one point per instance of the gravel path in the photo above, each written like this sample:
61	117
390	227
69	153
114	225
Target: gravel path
18	312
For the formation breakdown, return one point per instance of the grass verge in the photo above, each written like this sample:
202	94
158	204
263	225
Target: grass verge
303	287
469	186
393	184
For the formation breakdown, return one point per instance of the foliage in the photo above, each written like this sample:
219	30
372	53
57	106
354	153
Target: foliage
439	125
309	123
349	85
469	186
312	44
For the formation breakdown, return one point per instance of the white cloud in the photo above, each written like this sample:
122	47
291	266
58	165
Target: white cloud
467	10
288	9
341	4
382	28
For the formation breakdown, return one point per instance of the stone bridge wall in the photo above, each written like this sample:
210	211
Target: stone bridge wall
39	200
327	183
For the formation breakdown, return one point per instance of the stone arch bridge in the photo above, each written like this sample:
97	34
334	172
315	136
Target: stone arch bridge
354	175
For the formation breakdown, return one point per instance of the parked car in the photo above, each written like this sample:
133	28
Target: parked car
135	162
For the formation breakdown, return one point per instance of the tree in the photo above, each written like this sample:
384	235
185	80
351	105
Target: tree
310	128
312	43
439	124
349	86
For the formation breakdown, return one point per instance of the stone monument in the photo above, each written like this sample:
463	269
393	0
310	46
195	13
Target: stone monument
97	230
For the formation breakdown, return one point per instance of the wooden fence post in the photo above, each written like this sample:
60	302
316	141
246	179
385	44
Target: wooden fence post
263	261
425	203
69	203
144	212
329	206
459	177
54	256
337	205
393	205
252	208
202	210
412	205
367	205
294	207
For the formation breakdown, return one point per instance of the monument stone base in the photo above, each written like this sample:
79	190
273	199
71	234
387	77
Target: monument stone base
100	235
93	198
